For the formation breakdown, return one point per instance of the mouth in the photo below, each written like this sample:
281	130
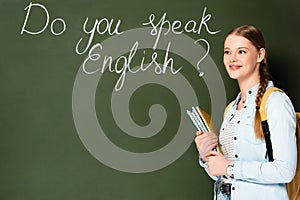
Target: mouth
234	67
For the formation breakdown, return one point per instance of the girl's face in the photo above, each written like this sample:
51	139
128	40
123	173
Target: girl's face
242	59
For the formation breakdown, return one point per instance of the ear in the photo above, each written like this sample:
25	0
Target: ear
261	55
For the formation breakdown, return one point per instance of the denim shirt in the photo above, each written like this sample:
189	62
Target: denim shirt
254	176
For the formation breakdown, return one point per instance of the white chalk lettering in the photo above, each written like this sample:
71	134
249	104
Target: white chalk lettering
45	11
107	27
63	26
177	27
122	64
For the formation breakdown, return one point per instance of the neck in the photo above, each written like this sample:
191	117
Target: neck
245	86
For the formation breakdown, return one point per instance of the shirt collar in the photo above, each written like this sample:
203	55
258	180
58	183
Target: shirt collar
251	93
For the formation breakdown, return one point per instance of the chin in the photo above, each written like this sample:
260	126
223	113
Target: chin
233	76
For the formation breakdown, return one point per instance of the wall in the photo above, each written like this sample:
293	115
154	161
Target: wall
71	129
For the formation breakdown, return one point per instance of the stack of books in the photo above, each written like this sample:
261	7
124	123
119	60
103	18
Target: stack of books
201	121
198	119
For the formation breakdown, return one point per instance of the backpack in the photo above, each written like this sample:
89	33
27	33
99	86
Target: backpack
293	188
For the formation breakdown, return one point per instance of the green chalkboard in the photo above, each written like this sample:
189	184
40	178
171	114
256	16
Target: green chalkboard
94	93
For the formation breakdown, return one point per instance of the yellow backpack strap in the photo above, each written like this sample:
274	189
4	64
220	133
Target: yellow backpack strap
263	108
227	108
264	121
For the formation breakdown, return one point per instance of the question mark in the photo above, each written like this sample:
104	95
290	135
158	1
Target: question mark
207	51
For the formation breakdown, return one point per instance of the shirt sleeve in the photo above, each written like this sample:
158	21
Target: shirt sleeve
282	125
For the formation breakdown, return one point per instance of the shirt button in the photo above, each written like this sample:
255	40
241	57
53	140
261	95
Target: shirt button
236	156
245	106
238	122
223	129
250	92
233	188
235	138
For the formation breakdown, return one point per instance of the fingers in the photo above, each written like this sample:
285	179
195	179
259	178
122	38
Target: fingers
206	139
214	153
199	133
205	142
205	135
217	163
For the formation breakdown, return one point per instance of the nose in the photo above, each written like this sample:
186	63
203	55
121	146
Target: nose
232	57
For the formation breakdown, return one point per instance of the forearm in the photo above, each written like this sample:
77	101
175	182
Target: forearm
274	172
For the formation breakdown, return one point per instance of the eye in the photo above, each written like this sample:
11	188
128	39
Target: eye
226	52
242	52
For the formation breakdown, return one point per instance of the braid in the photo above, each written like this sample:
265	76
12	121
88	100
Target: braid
264	79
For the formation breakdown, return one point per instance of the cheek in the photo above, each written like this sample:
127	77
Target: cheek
250	59
226	62
250	62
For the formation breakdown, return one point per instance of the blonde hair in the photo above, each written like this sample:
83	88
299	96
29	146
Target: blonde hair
256	38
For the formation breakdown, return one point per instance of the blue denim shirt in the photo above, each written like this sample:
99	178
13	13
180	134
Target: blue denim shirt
254	176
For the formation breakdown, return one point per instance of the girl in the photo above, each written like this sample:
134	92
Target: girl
242	171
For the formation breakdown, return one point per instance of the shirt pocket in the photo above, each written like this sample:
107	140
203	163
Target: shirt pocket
251	148
248	134
249	121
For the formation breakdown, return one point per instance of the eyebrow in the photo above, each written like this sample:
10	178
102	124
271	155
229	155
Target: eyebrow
237	48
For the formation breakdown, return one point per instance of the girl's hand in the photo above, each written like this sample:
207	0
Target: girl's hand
217	163
205	142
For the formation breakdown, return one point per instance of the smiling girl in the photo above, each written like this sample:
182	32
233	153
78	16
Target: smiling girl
242	171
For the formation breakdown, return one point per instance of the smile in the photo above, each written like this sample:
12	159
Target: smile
234	67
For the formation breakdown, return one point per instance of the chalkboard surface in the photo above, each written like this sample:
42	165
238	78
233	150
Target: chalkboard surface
94	93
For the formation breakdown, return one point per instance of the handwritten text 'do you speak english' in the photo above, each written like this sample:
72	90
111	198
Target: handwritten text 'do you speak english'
121	65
